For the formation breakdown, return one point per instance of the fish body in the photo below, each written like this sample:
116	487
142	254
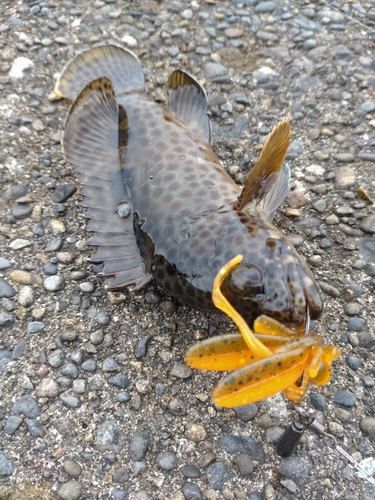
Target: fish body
160	204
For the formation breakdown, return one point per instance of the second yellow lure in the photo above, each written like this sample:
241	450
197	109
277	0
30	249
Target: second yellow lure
273	358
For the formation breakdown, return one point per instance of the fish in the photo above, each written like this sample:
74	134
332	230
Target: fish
161	205
270	359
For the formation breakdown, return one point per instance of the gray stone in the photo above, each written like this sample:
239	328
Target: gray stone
109	437
264	7
47	388
6	289
6	319
6	465
167	460
368	224
71	490
35	428
110	365
119	380
217	475
344	398
232	445
138	445
62	192
26	405
56	358
54	283
245	464
4	264
35	326
69	400
54	245
294	468
11	425
213	70
191	491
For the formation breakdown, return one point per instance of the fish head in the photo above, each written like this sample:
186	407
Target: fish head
275	281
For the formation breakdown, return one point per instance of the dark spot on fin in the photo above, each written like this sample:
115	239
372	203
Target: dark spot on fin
91	144
266	173
123	131
118	65
187	101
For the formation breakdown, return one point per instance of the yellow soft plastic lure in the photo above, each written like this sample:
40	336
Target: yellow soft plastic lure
273	358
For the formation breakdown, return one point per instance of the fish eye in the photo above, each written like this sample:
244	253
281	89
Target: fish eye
246	278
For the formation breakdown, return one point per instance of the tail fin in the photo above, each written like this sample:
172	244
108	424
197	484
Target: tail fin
120	66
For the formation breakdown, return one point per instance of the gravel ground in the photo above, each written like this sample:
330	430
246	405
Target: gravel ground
96	401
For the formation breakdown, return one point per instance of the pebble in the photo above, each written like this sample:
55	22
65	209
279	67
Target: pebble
368	224
26	296
54	283
180	370
294	468
6	319
71	490
217	475
265	7
190	471
110	365
19	244
6	289
119	380
26	405
355	324
47	388
4	263
195	432
167	460
6	465
344	177
35	326
214	70
232	445
352	308
56	358
11	425
246	412
72	468
22	211
24	277
344	398
367	426
245	464
35	428
54	245
191	491
353	362
138	446
142	347
89	365
69	400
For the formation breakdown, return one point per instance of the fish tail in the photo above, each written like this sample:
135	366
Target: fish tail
120	66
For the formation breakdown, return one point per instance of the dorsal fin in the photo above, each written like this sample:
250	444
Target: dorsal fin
187	101
266	172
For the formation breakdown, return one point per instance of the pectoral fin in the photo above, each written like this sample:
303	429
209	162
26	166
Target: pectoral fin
94	136
268	176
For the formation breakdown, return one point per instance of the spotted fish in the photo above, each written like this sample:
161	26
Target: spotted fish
160	204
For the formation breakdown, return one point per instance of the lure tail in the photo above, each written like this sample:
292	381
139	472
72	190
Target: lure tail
120	66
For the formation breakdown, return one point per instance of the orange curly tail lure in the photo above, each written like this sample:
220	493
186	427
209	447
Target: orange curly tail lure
273	358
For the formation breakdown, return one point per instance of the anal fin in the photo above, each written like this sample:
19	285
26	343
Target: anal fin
92	142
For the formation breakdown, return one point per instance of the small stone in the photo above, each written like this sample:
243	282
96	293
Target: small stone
294	468
71	490
246	412
26	405
110	365
368	224
69	400
195	432
167	460
35	326
344	157
214	70
355	324
187	14
190	471
6	319
56	358
191	491
217	475
11	425
6	289
24	277
54	245
35	428
295	199
352	308
318	401
345	177
245	464
6	465
72	468
57	227
265	7
367	426
22	211
4	263
62	192
138	445
233	444
332	220
19	244
180	370
89	365
26	296
344	398
54	283
119	380
47	388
